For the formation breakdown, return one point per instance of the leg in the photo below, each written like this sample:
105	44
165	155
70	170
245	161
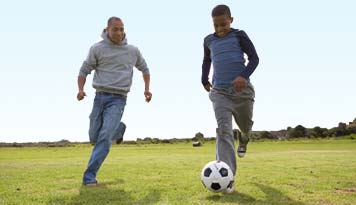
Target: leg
119	136
243	117
225	147
243	109
112	114
242	112
96	120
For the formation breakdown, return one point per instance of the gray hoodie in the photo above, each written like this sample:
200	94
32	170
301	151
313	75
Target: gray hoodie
113	65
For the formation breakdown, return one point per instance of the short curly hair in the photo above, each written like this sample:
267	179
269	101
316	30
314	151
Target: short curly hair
221	10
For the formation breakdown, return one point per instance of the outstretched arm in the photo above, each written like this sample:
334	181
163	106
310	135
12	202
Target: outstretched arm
147	93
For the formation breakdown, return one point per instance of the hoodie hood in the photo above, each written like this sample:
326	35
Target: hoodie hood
105	37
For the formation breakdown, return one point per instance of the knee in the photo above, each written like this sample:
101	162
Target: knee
93	136
246	127
106	145
224	130
93	132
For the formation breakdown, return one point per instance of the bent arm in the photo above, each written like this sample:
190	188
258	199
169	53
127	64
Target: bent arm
248	48
206	66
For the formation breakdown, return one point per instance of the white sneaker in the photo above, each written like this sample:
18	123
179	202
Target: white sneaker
230	188
242	148
91	184
241	151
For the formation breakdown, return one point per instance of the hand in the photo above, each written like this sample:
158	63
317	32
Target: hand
239	83
207	87
81	94
148	96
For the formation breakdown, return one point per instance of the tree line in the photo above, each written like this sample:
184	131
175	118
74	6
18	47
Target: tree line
343	129
300	131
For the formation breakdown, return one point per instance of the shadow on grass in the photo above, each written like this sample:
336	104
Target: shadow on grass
276	196
103	194
273	196
232	198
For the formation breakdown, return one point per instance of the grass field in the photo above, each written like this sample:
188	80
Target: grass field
289	172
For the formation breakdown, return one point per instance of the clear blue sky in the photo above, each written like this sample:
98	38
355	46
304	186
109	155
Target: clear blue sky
306	73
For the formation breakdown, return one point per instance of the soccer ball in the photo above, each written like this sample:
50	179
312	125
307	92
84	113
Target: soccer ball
216	176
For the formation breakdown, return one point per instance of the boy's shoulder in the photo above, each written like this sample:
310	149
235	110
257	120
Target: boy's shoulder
212	36
209	38
238	32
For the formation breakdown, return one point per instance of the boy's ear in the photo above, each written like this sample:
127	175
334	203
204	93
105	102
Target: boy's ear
232	19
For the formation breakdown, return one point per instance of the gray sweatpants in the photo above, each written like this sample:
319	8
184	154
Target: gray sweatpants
227	103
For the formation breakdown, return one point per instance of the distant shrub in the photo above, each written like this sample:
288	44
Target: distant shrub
298	131
129	142
198	137
266	135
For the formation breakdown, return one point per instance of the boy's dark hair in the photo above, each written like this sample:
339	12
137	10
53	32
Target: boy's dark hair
221	10
113	18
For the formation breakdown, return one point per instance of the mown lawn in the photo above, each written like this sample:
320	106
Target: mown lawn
288	172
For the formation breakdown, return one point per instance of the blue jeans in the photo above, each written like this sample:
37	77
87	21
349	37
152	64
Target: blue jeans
105	126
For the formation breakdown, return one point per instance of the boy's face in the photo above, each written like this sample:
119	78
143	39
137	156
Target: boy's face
222	25
116	31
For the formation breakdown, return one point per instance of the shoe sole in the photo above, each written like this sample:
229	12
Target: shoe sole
241	155
119	140
90	185
229	191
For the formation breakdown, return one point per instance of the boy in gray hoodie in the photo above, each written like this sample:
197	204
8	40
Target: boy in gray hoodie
113	61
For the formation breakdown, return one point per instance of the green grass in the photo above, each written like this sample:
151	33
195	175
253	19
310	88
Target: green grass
288	172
